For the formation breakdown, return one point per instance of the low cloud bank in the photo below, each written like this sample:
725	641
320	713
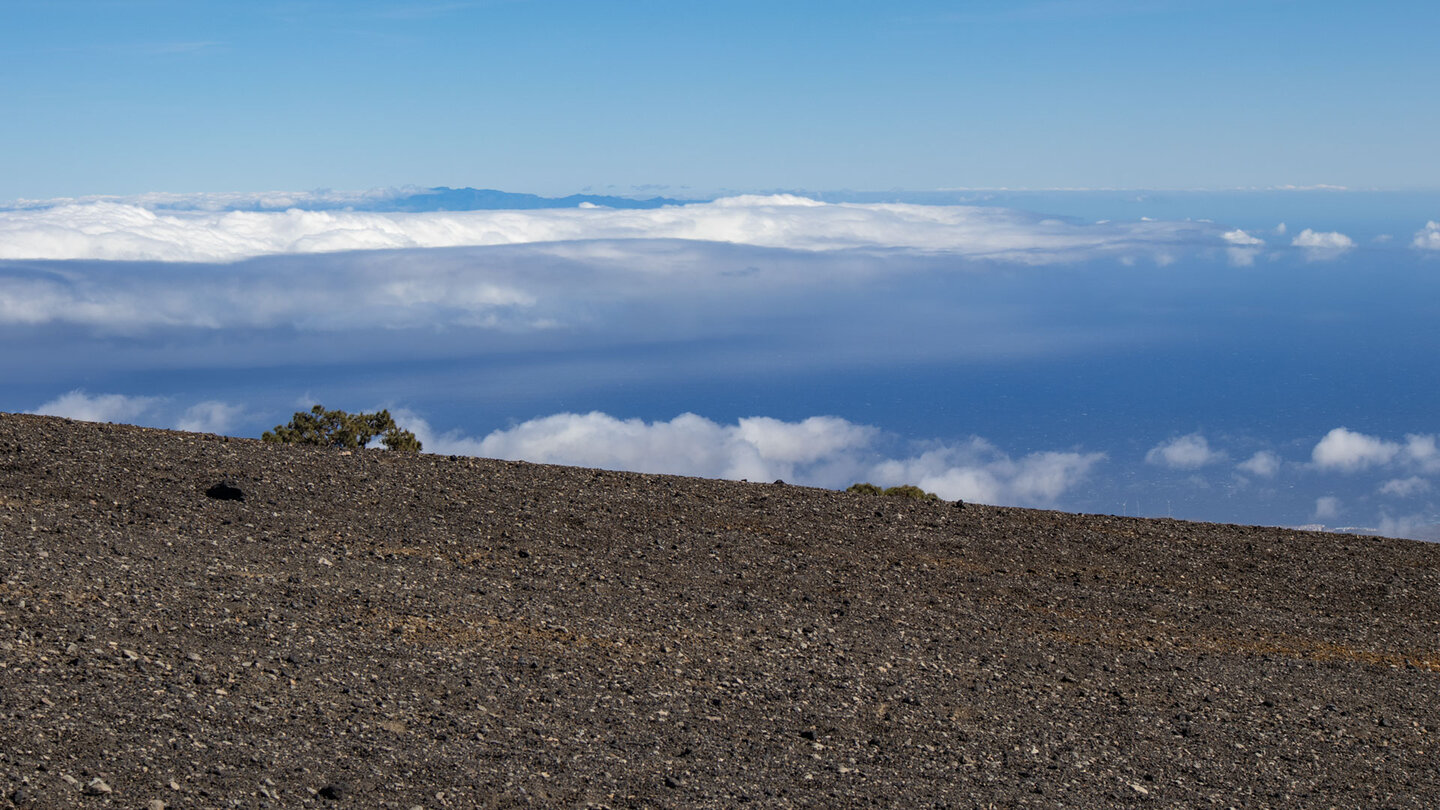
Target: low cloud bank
124	231
1345	450
1428	237
210	416
1322	245
832	452
1184	453
309	293
824	451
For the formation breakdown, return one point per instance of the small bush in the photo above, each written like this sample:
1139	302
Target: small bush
341	429
910	491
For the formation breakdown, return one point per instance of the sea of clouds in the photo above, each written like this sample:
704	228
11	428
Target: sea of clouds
134	232
133	264
144	267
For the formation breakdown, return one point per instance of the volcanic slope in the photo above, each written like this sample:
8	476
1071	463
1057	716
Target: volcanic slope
385	630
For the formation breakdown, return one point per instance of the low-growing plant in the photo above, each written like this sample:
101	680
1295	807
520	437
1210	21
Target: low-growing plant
340	429
866	489
912	492
903	491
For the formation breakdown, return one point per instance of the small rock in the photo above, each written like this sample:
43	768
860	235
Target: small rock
225	491
808	734
672	782
1139	788
335	791
20	796
72	781
155	804
97	787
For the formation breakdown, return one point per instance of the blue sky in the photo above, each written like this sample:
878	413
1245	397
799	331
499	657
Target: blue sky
550	96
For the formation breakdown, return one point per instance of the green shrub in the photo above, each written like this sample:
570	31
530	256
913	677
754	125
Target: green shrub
341	429
912	492
903	491
866	489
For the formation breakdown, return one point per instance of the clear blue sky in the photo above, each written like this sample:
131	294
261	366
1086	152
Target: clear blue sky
554	96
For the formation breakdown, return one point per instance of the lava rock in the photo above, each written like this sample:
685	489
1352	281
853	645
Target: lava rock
225	491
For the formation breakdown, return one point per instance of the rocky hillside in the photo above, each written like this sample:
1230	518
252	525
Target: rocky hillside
382	630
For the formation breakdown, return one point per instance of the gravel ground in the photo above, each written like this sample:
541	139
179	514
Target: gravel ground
382	630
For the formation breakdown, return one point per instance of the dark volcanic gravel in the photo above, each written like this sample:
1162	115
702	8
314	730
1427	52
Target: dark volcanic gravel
382	630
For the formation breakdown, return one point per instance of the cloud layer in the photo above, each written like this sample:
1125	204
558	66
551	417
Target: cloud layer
824	451
123	231
210	416
1321	245
1428	237
832	452
1184	453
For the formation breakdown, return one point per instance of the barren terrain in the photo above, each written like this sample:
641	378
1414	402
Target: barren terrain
386	630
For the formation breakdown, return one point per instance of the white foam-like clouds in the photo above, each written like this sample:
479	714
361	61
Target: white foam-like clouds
1243	247
123	231
282	291
1322	245
98	407
1348	451
1264	464
824	451
209	416
1405	487
979	471
1189	452
1428	237
1327	507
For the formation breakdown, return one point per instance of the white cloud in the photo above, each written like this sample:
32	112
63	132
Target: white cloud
373	290
117	230
98	408
1421	452
1405	487
1346	450
821	451
1243	247
1418	526
1264	464
1428	237
1327	507
1188	452
979	471
1319	245
210	416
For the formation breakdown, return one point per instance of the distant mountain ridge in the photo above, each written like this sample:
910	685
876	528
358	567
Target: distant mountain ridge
444	198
